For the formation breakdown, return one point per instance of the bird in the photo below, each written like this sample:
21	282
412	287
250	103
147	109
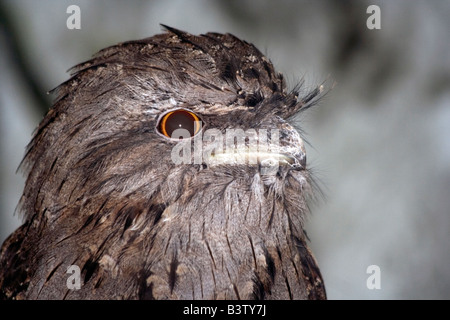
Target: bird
136	189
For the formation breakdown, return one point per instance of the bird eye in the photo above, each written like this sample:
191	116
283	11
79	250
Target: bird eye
179	119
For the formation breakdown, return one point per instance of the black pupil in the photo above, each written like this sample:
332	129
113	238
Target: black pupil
180	120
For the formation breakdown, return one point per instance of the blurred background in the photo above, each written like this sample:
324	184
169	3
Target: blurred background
379	141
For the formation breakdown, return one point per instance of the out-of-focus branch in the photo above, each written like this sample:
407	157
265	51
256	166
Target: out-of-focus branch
16	49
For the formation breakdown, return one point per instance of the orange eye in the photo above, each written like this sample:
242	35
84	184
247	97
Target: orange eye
179	119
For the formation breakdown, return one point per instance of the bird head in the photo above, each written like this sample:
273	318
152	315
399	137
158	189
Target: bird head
112	130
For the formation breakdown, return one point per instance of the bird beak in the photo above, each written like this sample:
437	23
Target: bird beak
280	157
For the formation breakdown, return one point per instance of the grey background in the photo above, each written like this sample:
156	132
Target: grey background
379	141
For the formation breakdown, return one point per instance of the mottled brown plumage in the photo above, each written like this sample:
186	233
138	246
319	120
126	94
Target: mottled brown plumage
102	191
